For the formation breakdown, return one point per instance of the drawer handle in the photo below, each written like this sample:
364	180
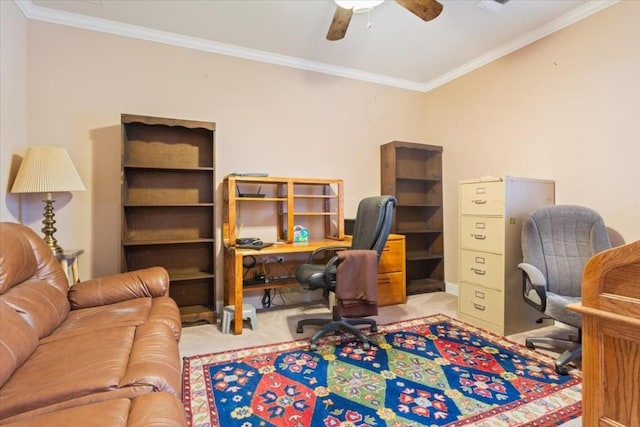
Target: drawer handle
479	201
479	271
479	236
479	295
384	280
479	306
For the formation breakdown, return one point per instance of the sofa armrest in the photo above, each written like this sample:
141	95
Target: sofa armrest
144	283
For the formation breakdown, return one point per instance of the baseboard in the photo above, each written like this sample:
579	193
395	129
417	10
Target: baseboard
451	288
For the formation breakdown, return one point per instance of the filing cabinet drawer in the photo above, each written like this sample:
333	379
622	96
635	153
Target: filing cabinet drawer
391	289
392	258
482	268
482	303
482	198
482	234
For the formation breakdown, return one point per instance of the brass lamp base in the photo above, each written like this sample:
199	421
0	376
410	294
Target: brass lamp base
48	228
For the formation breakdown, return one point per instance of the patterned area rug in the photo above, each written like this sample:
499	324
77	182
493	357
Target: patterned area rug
433	371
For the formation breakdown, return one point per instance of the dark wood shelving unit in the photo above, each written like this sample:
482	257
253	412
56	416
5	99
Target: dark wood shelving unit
412	173
168	207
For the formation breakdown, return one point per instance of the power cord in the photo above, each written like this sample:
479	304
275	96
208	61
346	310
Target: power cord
266	298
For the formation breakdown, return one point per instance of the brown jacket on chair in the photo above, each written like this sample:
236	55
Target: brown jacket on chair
357	283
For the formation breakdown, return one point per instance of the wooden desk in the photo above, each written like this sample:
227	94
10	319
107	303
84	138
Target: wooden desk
391	272
234	257
69	262
610	311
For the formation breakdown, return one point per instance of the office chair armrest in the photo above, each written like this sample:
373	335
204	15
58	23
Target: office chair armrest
322	250
330	273
533	279
534	274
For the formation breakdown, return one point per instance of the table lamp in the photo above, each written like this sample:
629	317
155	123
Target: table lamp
47	170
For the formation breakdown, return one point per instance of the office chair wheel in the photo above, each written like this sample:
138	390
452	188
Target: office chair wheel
374	328
313	347
563	370
366	346
530	345
299	329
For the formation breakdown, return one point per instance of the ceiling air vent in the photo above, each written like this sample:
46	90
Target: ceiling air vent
492	5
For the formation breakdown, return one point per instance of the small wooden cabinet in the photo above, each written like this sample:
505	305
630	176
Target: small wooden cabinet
168	209
491	215
391	272
412	173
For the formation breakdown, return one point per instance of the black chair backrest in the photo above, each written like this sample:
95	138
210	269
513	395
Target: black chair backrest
373	223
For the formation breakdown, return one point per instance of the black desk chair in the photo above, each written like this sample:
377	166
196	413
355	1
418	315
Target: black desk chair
370	231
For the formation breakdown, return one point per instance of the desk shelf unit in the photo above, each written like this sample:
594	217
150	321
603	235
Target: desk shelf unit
168	207
412	173
313	203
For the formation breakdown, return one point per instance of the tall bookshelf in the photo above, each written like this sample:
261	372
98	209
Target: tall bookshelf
168	207
412	173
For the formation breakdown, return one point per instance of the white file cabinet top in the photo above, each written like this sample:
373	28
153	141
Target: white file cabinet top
487	196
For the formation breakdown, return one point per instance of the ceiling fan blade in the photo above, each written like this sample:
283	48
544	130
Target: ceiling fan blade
424	9
340	23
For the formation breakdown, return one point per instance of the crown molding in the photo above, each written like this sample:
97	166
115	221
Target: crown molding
38	13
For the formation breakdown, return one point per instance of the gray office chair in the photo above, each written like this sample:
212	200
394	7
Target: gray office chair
557	242
370	231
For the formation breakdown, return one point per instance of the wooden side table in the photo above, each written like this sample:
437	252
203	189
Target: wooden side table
69	262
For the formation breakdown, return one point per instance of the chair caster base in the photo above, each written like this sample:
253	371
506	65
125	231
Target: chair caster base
299	330
366	346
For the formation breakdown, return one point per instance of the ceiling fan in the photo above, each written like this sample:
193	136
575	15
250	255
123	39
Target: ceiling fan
424	9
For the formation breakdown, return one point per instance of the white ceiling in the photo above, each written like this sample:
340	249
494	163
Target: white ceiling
398	49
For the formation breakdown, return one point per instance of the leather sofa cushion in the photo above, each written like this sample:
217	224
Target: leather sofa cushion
153	409
102	365
17	341
17	259
133	312
149	282
42	306
32	281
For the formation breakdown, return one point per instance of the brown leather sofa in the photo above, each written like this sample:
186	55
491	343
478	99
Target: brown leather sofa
102	353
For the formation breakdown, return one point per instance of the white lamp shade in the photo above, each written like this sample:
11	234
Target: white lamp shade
47	170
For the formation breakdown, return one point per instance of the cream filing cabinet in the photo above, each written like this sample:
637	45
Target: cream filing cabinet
491	215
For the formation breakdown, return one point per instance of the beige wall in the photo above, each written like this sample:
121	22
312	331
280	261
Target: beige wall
282	121
13	102
564	108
